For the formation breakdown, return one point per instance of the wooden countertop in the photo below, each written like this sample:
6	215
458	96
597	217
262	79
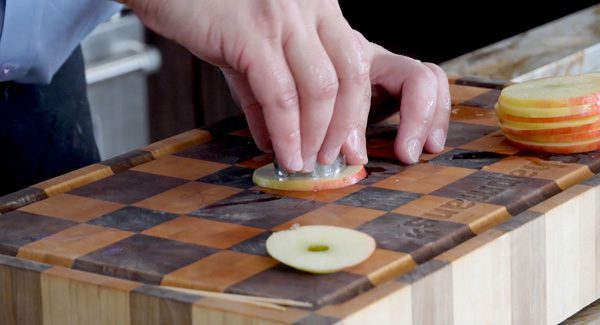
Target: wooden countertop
567	46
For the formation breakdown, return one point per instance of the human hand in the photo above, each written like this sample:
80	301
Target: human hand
424	102
298	69
300	73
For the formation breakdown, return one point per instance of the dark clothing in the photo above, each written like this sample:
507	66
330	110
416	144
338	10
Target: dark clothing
45	130
2	6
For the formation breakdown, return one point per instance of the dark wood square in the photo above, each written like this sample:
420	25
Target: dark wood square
421	271
422	238
127	160
128	187
255	245
591	159
514	192
18	228
467	159
462	133
380	169
21	198
142	258
485	100
227	149
133	219
256	209
285	282
233	176
378	198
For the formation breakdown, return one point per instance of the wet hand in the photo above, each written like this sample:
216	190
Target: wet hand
303	77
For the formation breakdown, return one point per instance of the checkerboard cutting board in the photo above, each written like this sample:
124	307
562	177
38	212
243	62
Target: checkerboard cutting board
184	212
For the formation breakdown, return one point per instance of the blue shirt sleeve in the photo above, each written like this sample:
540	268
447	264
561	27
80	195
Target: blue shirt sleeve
39	35
2	3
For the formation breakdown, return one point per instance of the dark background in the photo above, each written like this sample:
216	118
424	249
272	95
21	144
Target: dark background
436	32
187	93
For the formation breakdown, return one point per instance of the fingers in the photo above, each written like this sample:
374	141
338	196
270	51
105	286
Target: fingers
439	126
417	85
274	88
350	112
417	108
301	77
242	93
330	70
297	98
307	89
355	146
317	85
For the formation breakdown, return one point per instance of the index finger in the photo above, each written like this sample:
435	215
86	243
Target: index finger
274	88
439	125
417	109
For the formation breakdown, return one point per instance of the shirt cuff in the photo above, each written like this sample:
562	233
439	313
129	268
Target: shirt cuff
2	6
21	26
39	35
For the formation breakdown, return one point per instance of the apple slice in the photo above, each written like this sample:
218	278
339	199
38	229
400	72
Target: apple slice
554	92
266	177
550	125
557	138
561	148
546	112
563	130
512	118
320	249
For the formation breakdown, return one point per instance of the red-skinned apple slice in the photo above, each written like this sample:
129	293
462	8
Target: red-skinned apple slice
557	138
554	92
550	125
266	177
562	148
565	130
547	112
512	118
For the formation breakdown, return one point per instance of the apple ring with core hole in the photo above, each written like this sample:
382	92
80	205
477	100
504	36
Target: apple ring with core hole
320	249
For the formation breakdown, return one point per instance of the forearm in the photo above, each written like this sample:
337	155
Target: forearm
39	35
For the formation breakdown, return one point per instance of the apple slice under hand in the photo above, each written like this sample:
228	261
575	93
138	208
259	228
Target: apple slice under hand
265	176
320	249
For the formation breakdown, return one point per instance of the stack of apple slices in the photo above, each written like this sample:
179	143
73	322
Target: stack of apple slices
557	114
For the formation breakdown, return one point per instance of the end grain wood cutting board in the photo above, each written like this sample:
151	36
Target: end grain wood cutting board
479	230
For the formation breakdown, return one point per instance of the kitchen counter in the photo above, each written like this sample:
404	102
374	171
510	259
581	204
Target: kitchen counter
570	45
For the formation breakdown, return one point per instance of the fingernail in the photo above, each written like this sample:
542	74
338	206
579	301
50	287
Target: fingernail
329	156
295	163
447	103
439	139
363	154
356	142
414	150
309	164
